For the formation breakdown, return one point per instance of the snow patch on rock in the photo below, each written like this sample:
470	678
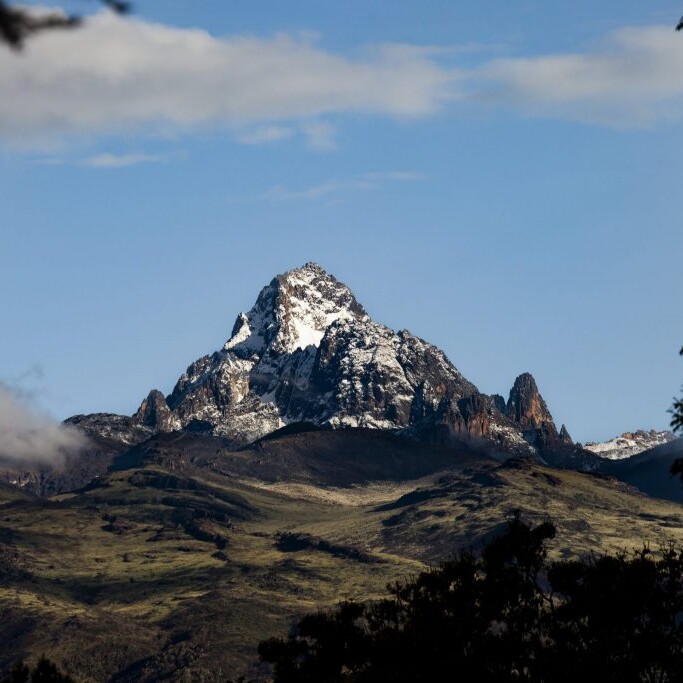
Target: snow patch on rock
629	444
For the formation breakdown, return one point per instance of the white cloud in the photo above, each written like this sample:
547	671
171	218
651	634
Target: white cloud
633	78
106	160
320	136
265	134
120	160
117	74
29	438
328	188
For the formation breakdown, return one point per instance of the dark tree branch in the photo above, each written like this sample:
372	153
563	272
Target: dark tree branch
677	424
18	23
677	410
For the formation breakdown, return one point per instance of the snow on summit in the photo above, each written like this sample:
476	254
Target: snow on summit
307	351
293	312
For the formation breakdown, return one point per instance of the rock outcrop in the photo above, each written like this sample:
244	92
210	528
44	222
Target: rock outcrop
526	406
565	439
154	412
307	351
527	409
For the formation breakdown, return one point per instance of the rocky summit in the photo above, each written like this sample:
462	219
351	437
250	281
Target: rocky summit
308	352
317	456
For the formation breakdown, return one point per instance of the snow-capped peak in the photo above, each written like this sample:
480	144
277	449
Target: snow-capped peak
293	312
629	444
307	352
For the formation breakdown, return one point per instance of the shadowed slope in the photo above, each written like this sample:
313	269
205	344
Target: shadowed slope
177	565
650	471
322	457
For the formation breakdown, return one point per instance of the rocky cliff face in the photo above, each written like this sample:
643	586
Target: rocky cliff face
527	409
307	351
154	412
526	406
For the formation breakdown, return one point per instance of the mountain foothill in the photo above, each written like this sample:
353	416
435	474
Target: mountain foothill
315	457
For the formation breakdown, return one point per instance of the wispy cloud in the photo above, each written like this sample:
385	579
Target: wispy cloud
151	79
633	78
321	136
121	160
106	160
336	187
263	135
117	74
29	438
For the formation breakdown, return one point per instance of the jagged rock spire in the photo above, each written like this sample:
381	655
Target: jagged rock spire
525	405
154	412
529	411
565	439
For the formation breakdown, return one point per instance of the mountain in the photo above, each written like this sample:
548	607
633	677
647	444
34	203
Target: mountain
307	351
629	444
650	470
174	564
108	436
316	456
338	458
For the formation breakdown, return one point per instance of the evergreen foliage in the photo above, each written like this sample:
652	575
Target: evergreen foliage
44	671
677	418
18	22
507	614
677	426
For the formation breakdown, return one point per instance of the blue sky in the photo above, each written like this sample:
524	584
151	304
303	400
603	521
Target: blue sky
503	179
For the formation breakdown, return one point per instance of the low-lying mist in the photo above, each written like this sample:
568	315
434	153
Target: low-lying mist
29	438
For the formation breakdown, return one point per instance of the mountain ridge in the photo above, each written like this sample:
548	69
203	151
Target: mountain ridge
307	351
175	563
629	444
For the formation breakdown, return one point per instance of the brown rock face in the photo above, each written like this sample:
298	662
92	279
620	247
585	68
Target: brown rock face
526	408
154	412
499	403
476	411
307	351
565	439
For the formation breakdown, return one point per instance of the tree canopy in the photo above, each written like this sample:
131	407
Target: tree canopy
17	23
506	614
677	411
44	671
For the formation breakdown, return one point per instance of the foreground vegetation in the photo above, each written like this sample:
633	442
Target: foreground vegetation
44	671
177	566
508	614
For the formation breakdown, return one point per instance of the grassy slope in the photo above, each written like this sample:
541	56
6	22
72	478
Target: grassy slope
158	573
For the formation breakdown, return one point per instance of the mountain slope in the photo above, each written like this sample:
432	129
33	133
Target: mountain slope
173	566
629	444
311	456
307	351
650	471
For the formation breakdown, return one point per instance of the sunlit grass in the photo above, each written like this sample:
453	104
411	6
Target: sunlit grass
117	569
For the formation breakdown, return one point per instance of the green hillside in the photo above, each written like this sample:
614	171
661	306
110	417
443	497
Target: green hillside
176	570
